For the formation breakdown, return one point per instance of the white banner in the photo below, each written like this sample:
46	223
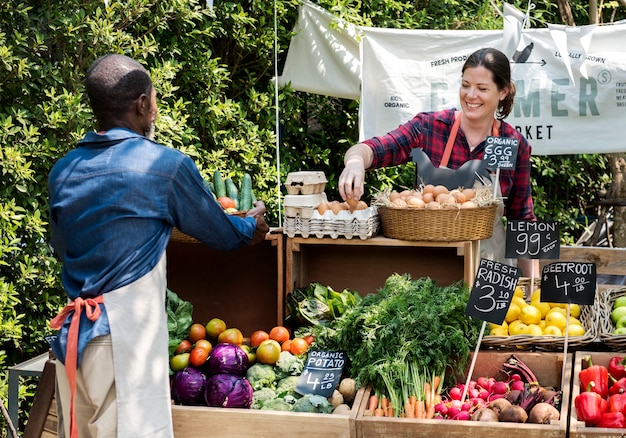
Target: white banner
571	81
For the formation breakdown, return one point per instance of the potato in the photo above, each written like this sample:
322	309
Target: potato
347	388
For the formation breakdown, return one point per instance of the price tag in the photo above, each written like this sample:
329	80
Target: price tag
492	292
322	372
500	152
569	282
533	239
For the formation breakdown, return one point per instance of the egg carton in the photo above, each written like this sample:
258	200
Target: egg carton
305	183
360	223
303	205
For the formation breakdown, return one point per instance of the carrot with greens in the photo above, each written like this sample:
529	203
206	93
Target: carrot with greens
373	402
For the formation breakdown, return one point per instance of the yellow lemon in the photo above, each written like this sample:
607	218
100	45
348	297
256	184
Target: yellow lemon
512	314
542	324
536	295
559	305
519	292
504	325
560	310
530	315
513	324
574	310
519	301
544	308
575	330
551	330
499	331
534	330
518	329
575	321
556	319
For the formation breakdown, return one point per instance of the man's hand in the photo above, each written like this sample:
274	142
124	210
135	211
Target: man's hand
258	212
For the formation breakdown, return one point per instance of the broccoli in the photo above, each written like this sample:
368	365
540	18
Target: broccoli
289	364
277	404
313	403
287	385
261	396
261	376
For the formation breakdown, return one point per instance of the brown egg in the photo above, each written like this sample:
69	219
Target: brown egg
439	190
458	196
361	205
352	203
428	197
415	202
404	194
323	207
394	195
399	203
335	206
469	193
442	198
468	204
428	188
433	205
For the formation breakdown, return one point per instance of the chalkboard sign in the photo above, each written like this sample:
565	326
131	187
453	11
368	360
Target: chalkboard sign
533	240
569	282
492	292
322	372
500	152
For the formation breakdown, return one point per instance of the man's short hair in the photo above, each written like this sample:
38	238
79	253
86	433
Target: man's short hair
113	83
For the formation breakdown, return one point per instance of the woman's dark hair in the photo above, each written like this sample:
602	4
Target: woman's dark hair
113	83
498	64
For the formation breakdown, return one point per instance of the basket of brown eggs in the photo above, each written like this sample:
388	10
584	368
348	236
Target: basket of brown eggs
436	213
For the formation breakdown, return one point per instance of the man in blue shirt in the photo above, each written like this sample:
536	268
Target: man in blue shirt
113	202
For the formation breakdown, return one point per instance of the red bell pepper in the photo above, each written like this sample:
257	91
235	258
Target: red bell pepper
595	375
617	367
617	403
604	405
617	386
588	407
615	420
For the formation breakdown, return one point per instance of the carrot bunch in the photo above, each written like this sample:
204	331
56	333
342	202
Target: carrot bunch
419	394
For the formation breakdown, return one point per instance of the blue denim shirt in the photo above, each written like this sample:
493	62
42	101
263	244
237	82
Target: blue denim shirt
113	202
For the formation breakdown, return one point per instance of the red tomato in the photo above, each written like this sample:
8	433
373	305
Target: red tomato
309	339
183	347
226	202
198	356
257	337
298	346
196	332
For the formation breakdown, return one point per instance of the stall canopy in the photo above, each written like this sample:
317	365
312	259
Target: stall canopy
571	81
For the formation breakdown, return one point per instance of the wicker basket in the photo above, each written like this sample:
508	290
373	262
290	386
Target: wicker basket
443	225
588	318
179	236
616	342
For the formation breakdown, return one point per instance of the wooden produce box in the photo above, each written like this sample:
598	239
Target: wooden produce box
243	287
365	265
547	366
577	429
198	421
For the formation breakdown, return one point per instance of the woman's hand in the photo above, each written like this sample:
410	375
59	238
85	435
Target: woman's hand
358	158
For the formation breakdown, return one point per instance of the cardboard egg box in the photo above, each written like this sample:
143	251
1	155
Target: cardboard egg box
305	183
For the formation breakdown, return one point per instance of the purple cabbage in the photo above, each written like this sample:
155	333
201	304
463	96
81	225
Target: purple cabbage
188	386
227	359
228	391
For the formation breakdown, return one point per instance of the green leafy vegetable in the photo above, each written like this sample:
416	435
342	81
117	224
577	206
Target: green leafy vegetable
407	321
318	304
179	319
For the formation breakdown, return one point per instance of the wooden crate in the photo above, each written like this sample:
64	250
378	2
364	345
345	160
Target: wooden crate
548	367
577	429
364	265
195	421
243	287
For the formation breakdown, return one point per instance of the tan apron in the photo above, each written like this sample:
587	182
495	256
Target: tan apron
138	323
139	345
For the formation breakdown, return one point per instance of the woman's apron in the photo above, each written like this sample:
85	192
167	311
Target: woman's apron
494	247
139	339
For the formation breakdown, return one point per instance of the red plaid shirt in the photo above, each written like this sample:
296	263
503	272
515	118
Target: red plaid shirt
430	132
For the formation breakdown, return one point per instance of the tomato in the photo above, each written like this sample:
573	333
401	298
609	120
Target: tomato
309	339
198	356
231	336
226	202
214	327
279	334
179	362
196	332
285	346
257	337
183	347
268	352
298	346
204	343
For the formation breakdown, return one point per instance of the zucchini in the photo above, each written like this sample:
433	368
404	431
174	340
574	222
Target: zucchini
232	191
246	192
219	184
210	187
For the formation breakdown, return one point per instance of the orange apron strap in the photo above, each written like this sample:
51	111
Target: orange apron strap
455	128
93	312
